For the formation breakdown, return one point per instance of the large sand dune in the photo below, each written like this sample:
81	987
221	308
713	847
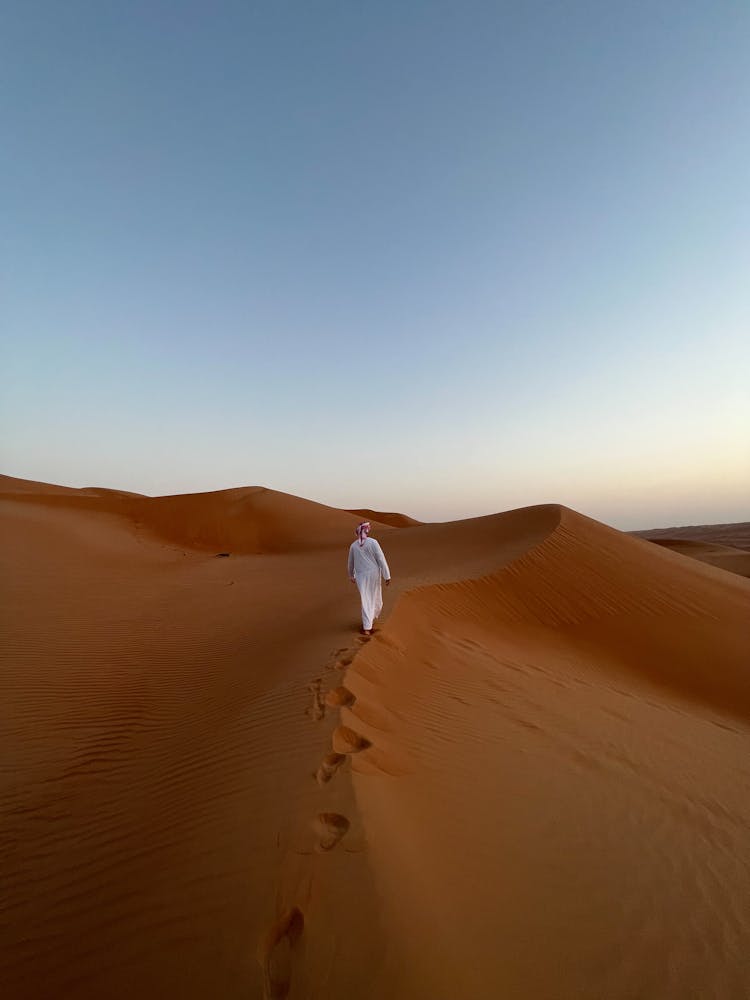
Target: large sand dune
530	783
250	519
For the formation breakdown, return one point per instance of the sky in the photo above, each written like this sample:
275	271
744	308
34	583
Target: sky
447	258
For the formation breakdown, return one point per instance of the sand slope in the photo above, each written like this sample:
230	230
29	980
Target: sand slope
530	783
548	819
724	545
735	535
395	520
728	557
249	519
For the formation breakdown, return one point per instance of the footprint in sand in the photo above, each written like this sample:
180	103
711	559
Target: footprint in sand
346	740
339	696
317	710
331	828
275	954
328	767
344	662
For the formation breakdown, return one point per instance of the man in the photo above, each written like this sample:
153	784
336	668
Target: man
367	566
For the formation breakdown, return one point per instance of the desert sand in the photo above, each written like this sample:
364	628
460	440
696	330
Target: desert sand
531	782
724	545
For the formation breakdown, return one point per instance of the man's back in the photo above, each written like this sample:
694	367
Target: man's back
367	558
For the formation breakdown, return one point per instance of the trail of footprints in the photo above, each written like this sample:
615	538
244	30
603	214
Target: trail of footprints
317	710
276	947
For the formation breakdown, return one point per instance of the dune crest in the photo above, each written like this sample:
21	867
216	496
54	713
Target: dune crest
546	828
246	520
392	519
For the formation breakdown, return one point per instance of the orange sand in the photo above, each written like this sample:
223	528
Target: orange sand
724	545
728	557
530	783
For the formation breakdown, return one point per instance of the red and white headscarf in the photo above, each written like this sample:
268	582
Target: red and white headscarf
363	530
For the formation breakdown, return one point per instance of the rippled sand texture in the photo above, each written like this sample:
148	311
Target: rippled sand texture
531	782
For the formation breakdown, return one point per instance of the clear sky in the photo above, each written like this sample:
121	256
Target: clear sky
440	257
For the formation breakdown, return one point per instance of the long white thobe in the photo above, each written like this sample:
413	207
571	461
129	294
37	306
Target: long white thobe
367	565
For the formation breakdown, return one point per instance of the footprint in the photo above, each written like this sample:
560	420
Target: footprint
275	954
317	710
344	662
345	740
329	766
339	696
331	828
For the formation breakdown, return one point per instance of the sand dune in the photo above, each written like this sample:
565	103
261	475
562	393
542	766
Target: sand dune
735	535
724	545
250	519
551	824
10	485
395	520
531	782
728	557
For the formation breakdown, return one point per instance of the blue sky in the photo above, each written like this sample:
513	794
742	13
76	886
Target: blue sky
447	258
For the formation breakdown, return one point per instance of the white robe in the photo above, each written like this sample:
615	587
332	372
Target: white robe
367	565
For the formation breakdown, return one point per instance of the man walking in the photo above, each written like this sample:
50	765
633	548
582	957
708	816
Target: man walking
367	566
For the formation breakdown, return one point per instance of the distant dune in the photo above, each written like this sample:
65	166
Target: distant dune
393	519
724	545
249	519
734	535
735	560
11	485
531	782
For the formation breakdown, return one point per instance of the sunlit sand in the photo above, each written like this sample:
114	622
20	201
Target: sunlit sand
530	782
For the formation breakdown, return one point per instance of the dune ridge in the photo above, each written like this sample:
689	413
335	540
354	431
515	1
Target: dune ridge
508	706
251	519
